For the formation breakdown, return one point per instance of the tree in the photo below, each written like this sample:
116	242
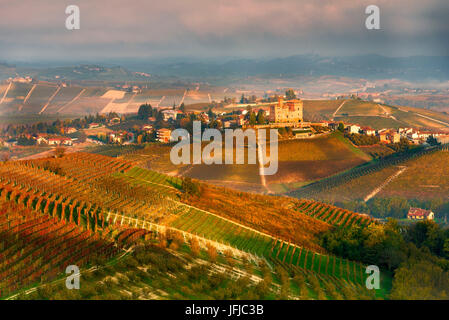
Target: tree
261	117
145	111
290	94
432	141
252	118
59	152
195	247
182	108
190	187
211	114
341	127
212	253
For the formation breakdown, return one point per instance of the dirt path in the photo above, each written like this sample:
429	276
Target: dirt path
72	101
6	92
29	93
160	101
338	109
384	184
435	120
48	153
50	100
182	100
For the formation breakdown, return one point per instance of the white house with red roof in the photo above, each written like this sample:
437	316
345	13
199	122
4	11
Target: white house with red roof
420	214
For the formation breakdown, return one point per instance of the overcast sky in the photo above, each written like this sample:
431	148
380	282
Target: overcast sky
35	29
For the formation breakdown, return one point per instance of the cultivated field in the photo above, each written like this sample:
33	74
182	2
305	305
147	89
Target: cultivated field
101	201
423	177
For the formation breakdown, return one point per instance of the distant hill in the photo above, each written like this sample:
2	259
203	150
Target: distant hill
364	66
374	114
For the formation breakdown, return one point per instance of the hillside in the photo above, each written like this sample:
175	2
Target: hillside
52	98
421	177
300	161
389	187
375	115
111	199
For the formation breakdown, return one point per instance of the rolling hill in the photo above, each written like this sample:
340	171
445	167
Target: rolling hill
300	162
132	205
375	115
416	178
52	98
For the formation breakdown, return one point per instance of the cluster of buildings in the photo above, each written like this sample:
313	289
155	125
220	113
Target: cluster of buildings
413	135
19	79
54	140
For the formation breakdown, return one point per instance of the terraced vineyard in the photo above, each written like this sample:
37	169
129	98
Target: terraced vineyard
332	215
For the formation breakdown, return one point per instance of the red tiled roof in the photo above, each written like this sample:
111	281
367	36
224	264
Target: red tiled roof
419	212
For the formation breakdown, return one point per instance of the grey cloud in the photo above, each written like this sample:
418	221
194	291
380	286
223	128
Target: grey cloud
111	28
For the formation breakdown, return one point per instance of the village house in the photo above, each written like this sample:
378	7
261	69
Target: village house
148	128
70	130
163	135
227	123
394	137
333	125
353	128
115	120
59	141
368	131
19	79
170	114
41	139
94	125
420	214
389	136
116	137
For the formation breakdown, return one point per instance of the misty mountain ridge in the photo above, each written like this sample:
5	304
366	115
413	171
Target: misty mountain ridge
364	66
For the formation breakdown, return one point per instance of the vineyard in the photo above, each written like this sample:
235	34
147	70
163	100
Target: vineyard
111	202
38	248
332	215
319	189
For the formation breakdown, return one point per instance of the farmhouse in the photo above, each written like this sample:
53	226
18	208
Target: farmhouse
368	131
170	114
353	128
70	130
290	111
60	141
420	214
94	125
164	135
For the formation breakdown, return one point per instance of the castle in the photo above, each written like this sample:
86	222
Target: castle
290	111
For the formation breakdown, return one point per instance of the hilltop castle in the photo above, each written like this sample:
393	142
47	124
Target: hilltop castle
290	111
